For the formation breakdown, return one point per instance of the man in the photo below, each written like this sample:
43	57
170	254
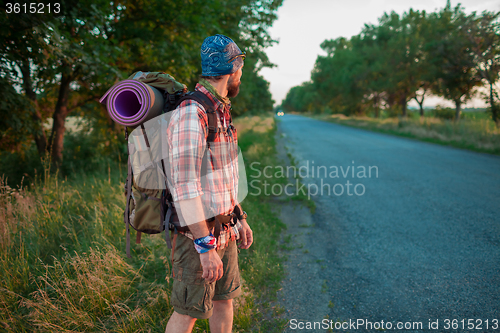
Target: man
205	268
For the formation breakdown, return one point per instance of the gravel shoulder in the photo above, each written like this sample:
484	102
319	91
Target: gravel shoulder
304	291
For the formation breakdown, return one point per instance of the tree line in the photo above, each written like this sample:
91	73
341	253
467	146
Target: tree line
410	56
53	65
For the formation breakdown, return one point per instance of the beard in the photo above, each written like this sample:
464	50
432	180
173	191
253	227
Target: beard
233	88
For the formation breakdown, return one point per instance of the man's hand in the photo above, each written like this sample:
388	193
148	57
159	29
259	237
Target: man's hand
246	235
212	266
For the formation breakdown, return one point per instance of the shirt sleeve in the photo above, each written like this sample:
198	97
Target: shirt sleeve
187	143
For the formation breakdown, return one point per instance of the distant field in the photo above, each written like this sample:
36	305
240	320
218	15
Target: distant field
72	123
476	131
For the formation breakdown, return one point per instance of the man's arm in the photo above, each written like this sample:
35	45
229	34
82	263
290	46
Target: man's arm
187	142
192	215
246	235
192	210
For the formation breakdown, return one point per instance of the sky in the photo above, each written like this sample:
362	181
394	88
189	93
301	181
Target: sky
302	25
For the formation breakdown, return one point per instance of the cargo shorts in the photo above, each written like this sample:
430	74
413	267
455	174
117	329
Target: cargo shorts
192	295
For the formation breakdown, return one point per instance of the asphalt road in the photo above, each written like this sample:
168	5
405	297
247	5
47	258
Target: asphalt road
419	242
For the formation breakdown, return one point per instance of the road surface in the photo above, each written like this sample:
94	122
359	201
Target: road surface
418	241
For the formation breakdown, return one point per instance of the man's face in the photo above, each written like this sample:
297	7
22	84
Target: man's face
233	84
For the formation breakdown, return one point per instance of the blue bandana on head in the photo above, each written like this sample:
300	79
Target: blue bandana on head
220	56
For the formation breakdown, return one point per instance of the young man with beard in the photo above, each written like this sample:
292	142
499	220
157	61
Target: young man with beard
205	268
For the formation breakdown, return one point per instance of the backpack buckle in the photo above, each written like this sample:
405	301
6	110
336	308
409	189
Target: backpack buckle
171	99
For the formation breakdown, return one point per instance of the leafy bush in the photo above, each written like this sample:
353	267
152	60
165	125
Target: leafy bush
84	151
92	152
445	113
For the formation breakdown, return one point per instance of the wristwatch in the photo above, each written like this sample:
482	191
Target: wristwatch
243	216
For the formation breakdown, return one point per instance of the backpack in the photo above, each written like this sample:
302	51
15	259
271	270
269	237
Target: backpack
151	211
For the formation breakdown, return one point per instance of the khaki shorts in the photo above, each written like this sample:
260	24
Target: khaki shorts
191	294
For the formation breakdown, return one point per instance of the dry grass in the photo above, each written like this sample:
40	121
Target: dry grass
82	292
476	134
45	289
257	124
16	208
63	266
338	116
95	291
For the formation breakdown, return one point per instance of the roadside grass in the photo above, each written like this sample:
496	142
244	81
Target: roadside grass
476	131
63	266
300	196
261	267
260	181
62	263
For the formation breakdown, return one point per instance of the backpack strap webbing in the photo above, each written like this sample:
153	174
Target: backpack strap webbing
207	104
168	213
166	223
128	194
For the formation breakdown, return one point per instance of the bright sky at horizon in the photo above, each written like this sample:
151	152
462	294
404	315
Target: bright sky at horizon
302	26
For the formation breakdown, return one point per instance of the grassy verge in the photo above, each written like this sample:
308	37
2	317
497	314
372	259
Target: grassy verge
261	267
300	196
475	133
63	266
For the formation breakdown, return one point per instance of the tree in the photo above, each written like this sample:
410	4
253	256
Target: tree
82	58
338	77
385	64
16	118
64	51
449	51
374	68
21	46
407	56
484	36
400	56
423	73
75	55
301	98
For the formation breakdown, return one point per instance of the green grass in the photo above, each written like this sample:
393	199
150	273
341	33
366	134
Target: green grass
475	131
63	266
300	196
324	287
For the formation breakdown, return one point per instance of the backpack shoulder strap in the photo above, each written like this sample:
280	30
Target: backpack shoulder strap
128	194
207	104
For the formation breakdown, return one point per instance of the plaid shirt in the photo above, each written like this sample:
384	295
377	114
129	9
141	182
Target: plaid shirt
187	136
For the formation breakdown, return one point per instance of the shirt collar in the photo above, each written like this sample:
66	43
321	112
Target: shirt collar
218	105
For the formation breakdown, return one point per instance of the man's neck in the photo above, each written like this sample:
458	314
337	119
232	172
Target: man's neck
220	86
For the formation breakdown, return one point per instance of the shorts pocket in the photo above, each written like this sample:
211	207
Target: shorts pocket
193	294
200	299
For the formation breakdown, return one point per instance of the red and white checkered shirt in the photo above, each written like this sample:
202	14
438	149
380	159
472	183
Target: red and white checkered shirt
187	136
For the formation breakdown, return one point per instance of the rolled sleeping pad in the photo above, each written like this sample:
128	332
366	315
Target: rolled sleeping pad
131	102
